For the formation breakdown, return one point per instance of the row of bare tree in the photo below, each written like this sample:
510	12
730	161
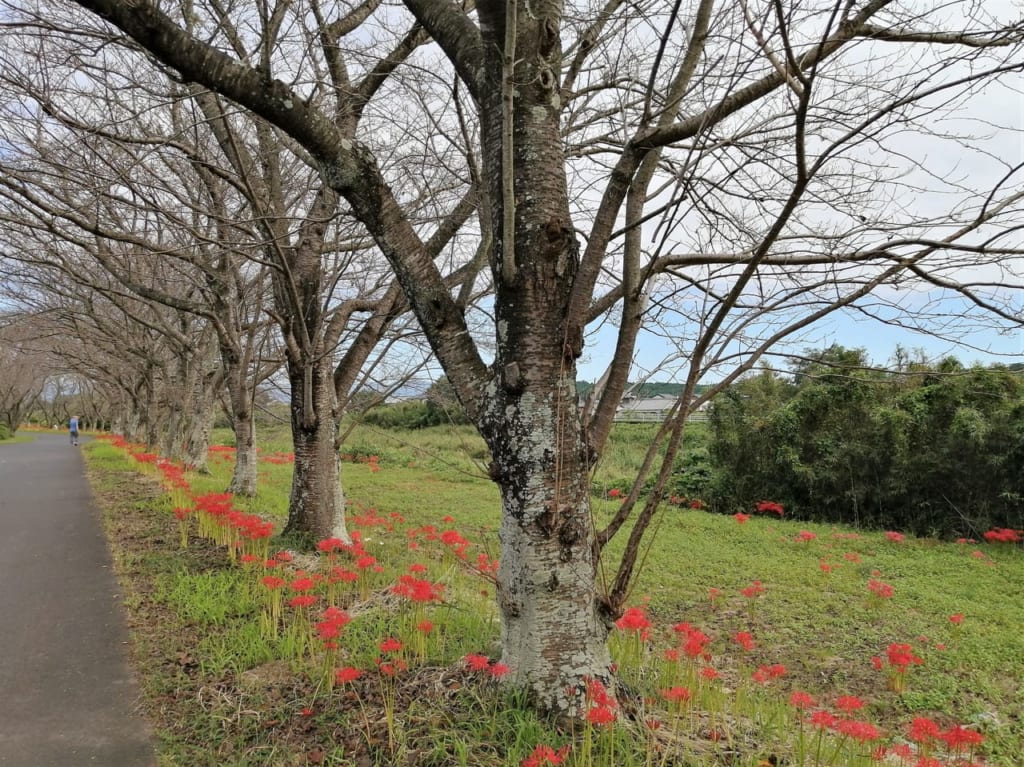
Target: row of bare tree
193	194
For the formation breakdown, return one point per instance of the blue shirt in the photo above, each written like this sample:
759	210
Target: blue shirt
74	424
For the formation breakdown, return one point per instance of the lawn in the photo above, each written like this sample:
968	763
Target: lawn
751	642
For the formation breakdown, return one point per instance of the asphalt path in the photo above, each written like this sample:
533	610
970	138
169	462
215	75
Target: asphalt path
67	697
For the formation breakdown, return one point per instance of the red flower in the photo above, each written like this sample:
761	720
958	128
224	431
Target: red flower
676	694
769	507
272	582
740	517
424	627
805	536
902	656
895	537
542	755
956	619
957	737
347	674
390	645
709	673
302	600
602	716
634	619
862	731
477	662
753	590
880	589
849	703
615	493
498	670
801	700
823	720
923	730
745	640
765	674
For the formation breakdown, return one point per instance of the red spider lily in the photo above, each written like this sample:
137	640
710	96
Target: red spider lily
805	536
765	674
334	620
714	594
697	504
709	673
677	694
424	627
542	755
498	670
849	703
895	537
755	589
272	582
347	674
330	545
341	575
862	731
477	662
182	512
769	507
634	620
417	567
957	737
956	619
923	730
302	584
852	556
902	656
417	590
745	640
390	645
1003	535
801	700
880	589
740	517
823	720
302	600
602	716
696	644
615	493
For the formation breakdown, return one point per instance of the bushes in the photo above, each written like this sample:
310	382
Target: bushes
925	450
5	432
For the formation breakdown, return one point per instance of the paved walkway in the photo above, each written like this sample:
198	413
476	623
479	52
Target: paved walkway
67	698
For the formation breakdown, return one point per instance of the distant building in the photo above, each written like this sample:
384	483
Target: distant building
651	409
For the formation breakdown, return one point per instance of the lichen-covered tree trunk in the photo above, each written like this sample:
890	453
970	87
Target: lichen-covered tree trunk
317	505
243	478
554	626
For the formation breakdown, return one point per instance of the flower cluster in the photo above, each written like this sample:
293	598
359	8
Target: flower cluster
769	507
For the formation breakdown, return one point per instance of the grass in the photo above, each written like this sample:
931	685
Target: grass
220	691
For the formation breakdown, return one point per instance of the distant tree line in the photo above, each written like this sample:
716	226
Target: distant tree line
933	449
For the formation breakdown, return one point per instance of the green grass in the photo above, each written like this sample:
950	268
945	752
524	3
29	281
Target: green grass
213	678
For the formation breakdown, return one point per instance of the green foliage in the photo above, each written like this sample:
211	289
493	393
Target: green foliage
5	432
929	450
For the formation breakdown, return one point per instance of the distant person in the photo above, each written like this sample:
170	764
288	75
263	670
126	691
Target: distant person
73	426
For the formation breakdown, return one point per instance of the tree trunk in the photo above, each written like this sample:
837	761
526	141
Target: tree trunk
317	505
553	629
243	479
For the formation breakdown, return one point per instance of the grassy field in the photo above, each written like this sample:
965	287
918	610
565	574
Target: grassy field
831	604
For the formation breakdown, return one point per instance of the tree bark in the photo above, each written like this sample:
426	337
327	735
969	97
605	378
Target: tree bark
316	505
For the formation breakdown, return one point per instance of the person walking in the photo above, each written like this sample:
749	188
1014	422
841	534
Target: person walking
73	426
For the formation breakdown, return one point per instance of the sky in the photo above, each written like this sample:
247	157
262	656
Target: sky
843	328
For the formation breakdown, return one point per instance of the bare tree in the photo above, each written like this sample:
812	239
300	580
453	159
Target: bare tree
743	168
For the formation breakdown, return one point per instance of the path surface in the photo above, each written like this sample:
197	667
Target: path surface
67	698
